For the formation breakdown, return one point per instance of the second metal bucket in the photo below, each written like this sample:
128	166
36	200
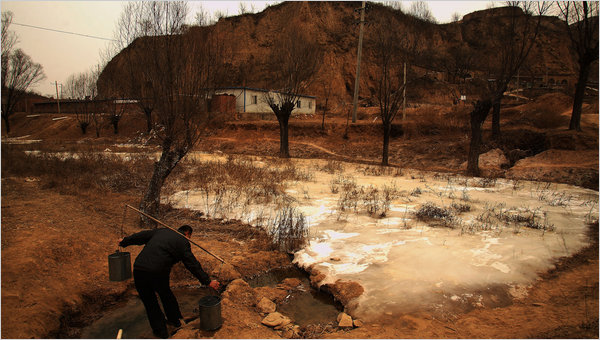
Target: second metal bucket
210	313
119	266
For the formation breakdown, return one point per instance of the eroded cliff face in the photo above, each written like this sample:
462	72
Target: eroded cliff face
250	39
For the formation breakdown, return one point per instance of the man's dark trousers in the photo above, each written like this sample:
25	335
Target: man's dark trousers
148	285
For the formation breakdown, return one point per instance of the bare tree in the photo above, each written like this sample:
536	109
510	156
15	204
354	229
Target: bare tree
458	63
480	112
203	17
82	89
327	88
420	9
113	99
455	17
514	37
9	38
294	62
19	72
170	66
243	8
387	56
581	20
396	5
390	50
130	26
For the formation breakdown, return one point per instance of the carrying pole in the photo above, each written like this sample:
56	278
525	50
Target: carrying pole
175	230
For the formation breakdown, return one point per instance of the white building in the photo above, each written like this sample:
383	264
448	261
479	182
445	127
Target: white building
251	100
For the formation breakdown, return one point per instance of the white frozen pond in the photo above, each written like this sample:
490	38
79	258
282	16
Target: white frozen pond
405	264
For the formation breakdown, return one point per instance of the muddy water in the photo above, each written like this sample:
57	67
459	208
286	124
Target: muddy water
131	317
406	264
306	306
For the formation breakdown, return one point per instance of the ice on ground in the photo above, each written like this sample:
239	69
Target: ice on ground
404	263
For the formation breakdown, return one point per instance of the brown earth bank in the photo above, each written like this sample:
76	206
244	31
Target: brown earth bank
55	240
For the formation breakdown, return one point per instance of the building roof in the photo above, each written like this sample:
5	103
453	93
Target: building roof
257	89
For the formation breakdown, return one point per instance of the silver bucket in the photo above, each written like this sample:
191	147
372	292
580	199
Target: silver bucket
119	266
210	313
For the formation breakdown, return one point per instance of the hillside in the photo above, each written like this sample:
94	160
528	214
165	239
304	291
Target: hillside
333	26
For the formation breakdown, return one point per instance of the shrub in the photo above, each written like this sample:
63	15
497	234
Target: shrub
289	230
429	212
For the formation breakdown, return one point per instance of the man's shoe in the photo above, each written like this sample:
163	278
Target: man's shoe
172	329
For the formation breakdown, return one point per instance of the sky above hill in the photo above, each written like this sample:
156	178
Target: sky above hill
68	37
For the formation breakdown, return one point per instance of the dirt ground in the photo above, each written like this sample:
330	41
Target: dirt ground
55	244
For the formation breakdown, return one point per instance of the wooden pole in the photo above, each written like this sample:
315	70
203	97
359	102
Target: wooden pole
175	230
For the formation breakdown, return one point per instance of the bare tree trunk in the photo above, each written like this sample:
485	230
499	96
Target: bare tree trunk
478	116
386	143
324	112
284	149
115	123
496	118
148	114
6	123
151	202
584	70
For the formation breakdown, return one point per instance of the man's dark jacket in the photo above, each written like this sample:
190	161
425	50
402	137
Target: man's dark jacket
163	248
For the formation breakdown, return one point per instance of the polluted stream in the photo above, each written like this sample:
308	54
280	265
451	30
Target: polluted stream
415	241
305	305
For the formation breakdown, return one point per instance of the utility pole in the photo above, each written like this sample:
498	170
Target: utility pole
57	96
356	81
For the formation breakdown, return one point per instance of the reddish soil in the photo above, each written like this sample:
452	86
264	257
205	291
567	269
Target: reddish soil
55	242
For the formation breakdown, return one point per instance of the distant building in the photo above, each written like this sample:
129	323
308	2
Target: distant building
251	100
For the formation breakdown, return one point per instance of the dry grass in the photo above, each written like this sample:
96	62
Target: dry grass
437	121
74	172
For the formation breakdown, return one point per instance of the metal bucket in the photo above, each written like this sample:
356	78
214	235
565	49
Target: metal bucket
119	266
210	313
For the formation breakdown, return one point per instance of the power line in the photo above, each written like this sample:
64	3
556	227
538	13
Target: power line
66	32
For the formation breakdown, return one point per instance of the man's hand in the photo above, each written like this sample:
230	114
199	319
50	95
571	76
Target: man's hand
214	284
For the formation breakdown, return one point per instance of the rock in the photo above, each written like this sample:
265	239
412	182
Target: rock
225	273
336	259
239	292
494	159
287	323
491	160
344	321
315	276
288	334
266	306
276	295
291	332
274	319
357	323
538	304
345	291
289	283
516	155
